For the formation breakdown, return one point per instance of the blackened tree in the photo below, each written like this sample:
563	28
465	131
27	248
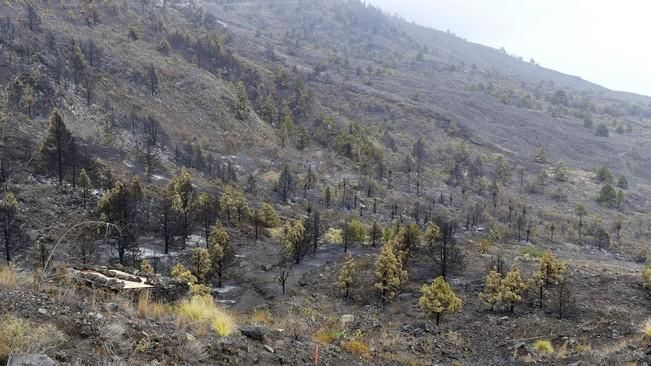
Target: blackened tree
119	207
56	148
9	211
285	184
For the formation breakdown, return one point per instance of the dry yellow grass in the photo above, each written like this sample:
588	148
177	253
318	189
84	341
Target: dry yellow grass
328	333
222	325
8	276
275	232
323	336
583	348
646	277
563	351
402	360
611	351
20	335
543	346
149	309
484	246
270	177
646	329
293	323
455	338
333	236
202	312
261	316
358	347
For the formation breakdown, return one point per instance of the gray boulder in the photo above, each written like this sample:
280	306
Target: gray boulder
254	332
28	359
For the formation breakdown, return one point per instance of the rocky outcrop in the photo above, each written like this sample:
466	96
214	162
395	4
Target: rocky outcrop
165	289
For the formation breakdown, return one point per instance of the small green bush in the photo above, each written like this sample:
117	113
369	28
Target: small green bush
646	277
334	236
532	251
602	130
268	216
356	231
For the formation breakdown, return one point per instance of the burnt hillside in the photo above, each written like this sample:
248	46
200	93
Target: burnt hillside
285	181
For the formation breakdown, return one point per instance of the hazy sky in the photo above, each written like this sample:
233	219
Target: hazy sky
604	41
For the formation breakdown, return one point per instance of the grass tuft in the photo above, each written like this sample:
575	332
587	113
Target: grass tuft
8	276
261	316
646	277
327	336
357	347
402	360
150	309
201	311
646	329
329	333
322	336
222	325
543	346
20	335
